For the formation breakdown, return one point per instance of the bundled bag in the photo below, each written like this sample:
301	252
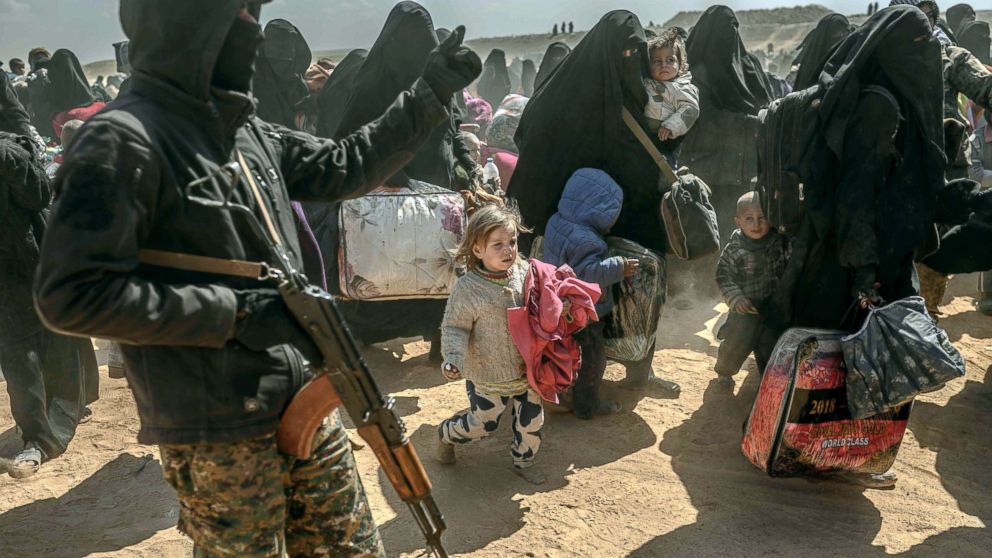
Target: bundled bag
899	353
399	243
689	219
686	212
629	330
800	423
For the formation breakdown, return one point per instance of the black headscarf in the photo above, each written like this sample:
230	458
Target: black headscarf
817	47
68	87
885	51
494	83
333	98
958	15
553	57
728	77
528	74
974	36
594	81
393	64
278	84
13	118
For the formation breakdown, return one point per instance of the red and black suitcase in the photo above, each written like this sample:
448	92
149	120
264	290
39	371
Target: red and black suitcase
800	424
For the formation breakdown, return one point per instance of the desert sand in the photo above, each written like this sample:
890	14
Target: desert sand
664	478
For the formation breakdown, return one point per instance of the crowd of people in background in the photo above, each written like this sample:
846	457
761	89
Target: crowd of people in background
896	138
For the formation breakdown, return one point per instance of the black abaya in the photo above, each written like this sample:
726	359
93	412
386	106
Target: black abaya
574	121
866	215
553	57
333	98
278	84
817	47
494	83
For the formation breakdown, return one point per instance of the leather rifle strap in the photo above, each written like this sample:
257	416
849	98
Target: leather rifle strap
221	266
204	264
262	206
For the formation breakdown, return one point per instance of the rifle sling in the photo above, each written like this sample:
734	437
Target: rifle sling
659	159
220	266
205	264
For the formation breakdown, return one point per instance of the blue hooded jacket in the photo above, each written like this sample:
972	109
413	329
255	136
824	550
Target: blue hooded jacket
589	206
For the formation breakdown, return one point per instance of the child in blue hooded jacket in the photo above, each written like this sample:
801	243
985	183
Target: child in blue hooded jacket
575	235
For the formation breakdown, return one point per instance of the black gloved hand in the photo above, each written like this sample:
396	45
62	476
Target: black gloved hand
451	66
264	322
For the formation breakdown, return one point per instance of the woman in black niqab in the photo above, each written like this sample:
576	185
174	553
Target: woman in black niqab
574	121
528	75
393	64
553	57
68	87
728	77
817	47
494	83
333	98
975	37
958	15
278	84
878	166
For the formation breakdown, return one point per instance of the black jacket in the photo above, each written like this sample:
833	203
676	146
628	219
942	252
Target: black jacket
24	193
123	187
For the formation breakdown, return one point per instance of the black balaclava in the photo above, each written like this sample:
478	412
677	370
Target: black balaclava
235	65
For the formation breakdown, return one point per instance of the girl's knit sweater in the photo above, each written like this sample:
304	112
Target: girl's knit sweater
475	336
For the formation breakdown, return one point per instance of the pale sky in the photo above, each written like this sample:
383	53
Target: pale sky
89	27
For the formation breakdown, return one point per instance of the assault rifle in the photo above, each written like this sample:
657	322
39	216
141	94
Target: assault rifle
343	379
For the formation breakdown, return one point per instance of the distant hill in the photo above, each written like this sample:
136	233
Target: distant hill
783	27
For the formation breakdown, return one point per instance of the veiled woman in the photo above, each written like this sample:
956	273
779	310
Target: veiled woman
574	121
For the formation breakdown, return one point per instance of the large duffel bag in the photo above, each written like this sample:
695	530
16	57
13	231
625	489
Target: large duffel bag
637	302
399	243
800	423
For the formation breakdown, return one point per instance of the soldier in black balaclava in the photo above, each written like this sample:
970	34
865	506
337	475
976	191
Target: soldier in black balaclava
212	359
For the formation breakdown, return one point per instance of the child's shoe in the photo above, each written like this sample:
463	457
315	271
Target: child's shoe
445	452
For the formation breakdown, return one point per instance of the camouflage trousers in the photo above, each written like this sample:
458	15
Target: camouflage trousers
246	499
933	285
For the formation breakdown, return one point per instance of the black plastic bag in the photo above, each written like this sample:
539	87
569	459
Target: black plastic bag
899	353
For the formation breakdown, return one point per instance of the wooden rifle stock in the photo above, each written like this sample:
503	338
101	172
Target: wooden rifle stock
304	415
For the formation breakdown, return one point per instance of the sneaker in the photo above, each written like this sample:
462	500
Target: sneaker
530	474
445	452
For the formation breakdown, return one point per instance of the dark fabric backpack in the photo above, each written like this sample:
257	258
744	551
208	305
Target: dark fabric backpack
783	158
786	150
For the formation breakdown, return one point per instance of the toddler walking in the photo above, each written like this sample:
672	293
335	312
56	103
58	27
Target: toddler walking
747	274
476	343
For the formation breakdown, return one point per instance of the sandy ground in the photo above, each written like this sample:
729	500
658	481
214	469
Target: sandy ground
664	478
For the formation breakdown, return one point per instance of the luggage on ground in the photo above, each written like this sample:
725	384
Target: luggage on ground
898	354
800	423
399	243
637	302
